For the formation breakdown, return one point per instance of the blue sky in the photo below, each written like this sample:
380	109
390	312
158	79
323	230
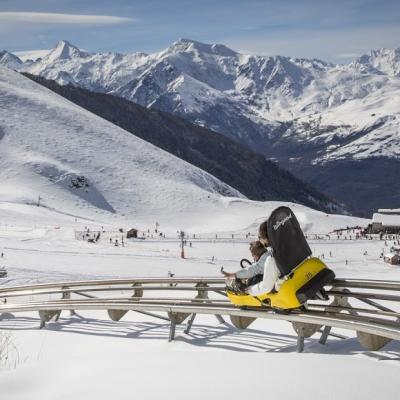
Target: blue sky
330	30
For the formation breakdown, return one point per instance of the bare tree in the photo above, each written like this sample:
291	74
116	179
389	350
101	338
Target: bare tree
9	356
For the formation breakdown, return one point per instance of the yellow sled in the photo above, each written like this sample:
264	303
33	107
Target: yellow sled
302	284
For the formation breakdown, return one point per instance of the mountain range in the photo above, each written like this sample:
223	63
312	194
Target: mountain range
60	162
235	164
81	165
335	126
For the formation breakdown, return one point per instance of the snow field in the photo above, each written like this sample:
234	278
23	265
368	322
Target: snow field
89	356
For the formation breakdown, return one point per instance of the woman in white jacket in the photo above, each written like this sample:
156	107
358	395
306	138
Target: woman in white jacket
264	265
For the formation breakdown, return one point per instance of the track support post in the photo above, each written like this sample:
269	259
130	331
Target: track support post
116	315
176	318
325	334
303	331
172	329
300	344
46	316
338	301
190	323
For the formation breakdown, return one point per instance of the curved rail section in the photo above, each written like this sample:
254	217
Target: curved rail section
371	310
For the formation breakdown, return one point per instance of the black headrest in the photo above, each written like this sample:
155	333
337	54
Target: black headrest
287	240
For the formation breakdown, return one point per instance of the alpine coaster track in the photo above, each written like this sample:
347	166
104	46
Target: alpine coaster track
368	307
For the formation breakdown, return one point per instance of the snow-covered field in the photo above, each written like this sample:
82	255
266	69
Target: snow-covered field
90	357
46	144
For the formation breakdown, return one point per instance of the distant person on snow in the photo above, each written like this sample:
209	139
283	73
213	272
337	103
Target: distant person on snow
264	265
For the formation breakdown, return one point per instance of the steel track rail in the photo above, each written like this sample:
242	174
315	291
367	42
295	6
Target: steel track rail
342	283
329	308
33	292
367	284
111	282
209	303
375	326
364	295
216	302
83	291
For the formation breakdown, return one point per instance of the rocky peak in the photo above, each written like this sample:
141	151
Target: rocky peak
64	51
386	61
185	45
9	60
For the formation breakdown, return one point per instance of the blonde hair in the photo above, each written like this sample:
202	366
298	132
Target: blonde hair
257	249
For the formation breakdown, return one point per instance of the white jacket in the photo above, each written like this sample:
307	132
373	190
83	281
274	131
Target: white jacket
270	278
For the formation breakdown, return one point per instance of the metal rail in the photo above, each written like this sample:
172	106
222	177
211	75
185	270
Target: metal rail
378	320
376	326
367	284
109	282
341	283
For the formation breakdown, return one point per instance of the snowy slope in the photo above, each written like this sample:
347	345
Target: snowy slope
81	165
298	112
47	143
88	356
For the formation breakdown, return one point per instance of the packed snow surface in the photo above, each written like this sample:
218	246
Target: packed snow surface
89	356
64	170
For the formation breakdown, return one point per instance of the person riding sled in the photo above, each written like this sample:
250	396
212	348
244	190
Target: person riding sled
288	267
263	275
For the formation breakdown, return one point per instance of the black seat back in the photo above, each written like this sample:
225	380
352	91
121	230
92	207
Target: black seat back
287	240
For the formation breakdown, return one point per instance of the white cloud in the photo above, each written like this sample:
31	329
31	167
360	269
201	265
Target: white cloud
31	54
348	55
55	18
329	45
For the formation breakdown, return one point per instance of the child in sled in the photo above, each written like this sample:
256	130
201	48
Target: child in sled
263	275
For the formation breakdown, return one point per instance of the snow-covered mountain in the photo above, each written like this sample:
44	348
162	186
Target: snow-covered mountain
10	60
250	98
76	164
79	163
234	93
300	112
233	163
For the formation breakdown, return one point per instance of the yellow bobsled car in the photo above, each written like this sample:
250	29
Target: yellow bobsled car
303	277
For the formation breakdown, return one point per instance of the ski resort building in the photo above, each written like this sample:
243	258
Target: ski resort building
392	258
385	221
389	211
132	233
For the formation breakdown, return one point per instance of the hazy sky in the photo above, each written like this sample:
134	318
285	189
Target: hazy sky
338	30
